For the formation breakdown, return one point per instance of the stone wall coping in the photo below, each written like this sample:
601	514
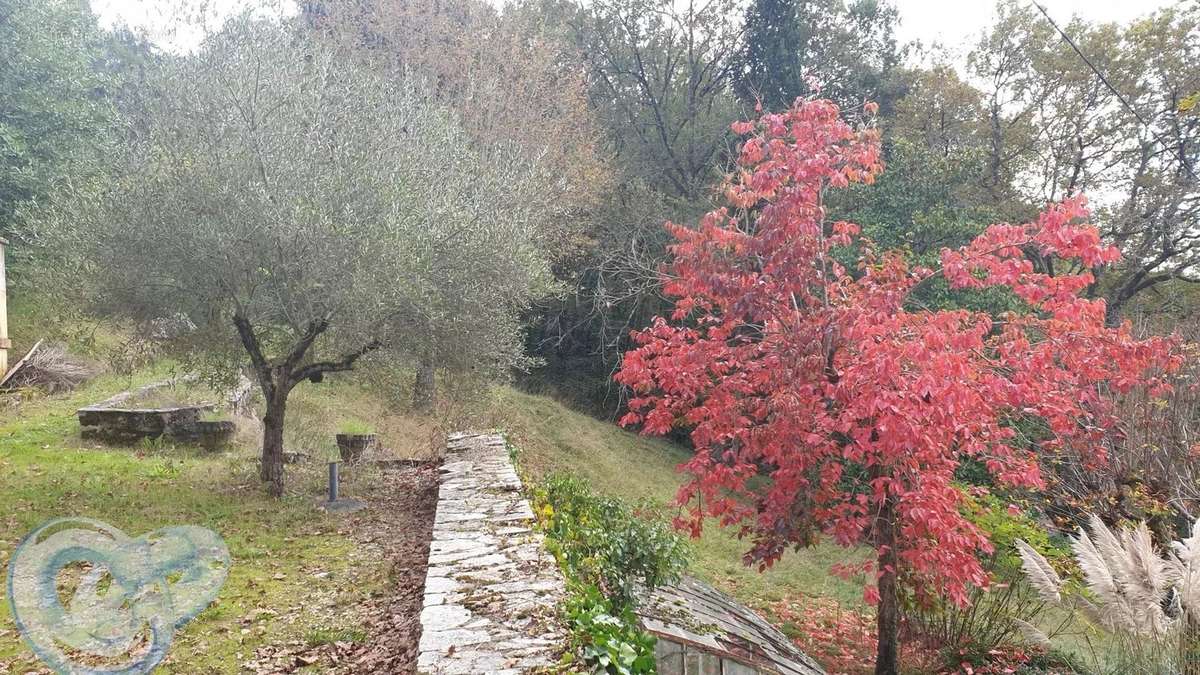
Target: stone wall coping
492	591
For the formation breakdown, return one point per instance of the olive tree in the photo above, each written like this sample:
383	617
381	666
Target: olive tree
288	202
53	112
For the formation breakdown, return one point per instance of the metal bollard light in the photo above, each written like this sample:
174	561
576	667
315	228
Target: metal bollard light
333	481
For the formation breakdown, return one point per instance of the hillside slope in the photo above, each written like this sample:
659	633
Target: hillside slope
552	438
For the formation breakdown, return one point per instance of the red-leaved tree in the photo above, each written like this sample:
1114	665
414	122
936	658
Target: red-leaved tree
823	399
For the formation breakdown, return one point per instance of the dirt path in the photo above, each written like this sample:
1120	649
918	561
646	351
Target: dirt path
394	528
399	522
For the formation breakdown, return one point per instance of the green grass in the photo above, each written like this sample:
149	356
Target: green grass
355	428
327	636
316	413
38	316
175	394
278	547
552	438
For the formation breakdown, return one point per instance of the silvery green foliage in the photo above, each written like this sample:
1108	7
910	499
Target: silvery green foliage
54	118
285	178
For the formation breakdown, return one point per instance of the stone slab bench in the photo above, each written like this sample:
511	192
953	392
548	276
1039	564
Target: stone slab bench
120	420
492	591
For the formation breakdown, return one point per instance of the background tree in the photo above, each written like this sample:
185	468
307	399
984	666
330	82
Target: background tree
613	289
793	48
512	79
662	76
931	196
519	92
942	114
53	116
1057	129
857	410
773	68
289	203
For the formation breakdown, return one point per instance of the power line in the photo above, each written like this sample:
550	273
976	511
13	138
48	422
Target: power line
1120	97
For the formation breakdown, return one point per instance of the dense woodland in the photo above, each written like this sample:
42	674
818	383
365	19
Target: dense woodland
463	195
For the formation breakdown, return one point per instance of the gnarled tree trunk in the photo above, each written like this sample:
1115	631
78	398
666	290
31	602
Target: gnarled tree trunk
271	469
277	378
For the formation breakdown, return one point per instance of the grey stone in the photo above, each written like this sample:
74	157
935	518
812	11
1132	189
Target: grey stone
444	617
440	584
440	641
488	573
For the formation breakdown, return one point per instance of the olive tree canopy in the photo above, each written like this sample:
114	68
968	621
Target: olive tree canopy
288	202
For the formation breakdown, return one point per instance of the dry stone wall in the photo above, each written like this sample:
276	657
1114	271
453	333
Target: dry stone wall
121	420
492	592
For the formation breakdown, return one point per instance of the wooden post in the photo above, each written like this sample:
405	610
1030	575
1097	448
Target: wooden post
5	343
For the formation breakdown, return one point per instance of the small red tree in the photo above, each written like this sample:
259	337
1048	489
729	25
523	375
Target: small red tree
854	404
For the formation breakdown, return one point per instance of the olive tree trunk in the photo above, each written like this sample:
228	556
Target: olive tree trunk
425	385
271	469
277	378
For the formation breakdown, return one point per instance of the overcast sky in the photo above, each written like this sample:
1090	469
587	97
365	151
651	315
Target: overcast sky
953	23
957	23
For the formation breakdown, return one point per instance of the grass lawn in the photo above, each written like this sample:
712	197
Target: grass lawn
294	573
552	438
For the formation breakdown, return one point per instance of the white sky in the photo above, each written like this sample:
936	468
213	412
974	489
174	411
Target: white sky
176	24
957	23
952	23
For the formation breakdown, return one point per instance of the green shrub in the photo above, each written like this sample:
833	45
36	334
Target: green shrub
607	551
602	541
609	639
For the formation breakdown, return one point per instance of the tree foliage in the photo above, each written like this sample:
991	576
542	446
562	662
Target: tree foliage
1054	128
53	114
856	408
662	76
845	51
288	202
514	82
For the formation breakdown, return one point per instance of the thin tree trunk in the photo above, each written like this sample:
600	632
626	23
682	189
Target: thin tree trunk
271	470
425	385
887	659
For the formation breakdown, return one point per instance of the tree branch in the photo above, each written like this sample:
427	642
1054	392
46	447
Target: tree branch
311	332
317	368
254	348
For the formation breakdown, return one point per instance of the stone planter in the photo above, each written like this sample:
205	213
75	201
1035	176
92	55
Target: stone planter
352	446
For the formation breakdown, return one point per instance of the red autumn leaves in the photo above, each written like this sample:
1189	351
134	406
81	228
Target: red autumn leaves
817	393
